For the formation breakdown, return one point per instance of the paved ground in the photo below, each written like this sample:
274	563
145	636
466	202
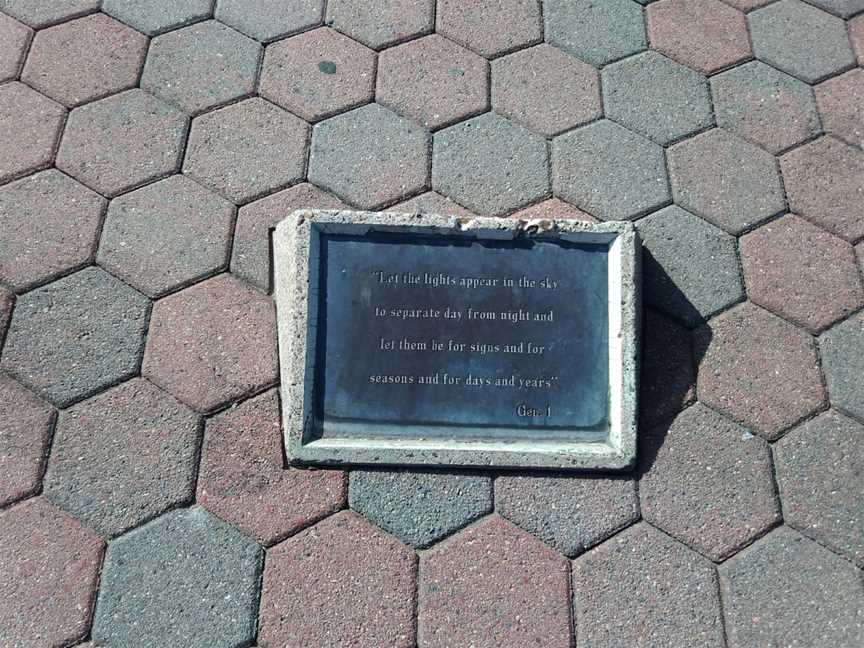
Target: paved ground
146	149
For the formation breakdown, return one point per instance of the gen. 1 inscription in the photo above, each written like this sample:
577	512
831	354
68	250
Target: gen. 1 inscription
486	336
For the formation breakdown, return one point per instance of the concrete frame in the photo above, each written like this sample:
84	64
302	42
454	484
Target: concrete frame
295	252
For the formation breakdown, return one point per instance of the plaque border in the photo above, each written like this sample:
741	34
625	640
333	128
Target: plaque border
294	252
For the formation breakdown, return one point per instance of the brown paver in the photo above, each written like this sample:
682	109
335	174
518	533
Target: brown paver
490	27
433	81
725	180
667	381
641	588
242	479
707	35
841	106
30	125
123	457
121	142
25	435
318	74
824	182
553	208
84	59
50	225
247	150
379	23
431	202
201	66
165	235
14	41
801	272
568	514
493	584
342	582
250	256
545	89
758	369
41	13
707	482
212	343
49	565
819	468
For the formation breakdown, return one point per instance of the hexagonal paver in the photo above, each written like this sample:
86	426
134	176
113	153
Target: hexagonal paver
800	39
76	336
121	142
843	362
493	585
801	272
842	8
250	255
147	464
318	73
14	39
339	583
726	180
690	268
788	591
433	81
49	566
24	440
156	16
657	97
490	165
667	379
490	27
707	482
369	156
42	13
609	171
266	20
84	59
824	181
707	35
596	32
432	202
758	369
819	470
766	106
379	23
568	514
247	150
841	105
212	343
545	89
167	234
30	125
185	579
50	225
669	592
553	208
201	66
747	5
856	34
419	507
242	479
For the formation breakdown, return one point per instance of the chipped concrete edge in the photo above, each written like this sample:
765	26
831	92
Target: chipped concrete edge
294	242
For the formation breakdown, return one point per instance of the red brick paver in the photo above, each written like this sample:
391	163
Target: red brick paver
553	208
493	584
212	343
48	574
30	125
841	106
759	369
342	582
243	481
